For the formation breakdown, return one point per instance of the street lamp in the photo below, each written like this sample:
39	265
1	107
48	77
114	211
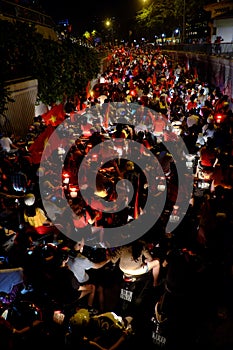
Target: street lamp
177	35
163	36
108	23
109	26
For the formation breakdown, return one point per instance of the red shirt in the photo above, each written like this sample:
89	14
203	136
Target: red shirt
191	105
159	125
207	156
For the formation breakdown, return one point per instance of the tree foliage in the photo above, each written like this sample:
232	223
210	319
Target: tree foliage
61	67
165	16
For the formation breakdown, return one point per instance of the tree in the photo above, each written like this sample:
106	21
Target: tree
4	100
61	67
159	17
165	16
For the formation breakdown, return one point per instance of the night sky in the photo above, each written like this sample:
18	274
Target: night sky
82	11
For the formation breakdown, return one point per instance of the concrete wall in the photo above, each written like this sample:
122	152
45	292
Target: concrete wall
213	69
21	112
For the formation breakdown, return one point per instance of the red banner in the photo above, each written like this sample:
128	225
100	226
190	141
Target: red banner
55	115
41	142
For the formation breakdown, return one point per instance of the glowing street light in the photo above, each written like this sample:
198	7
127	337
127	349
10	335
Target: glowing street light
163	37
108	23
176	35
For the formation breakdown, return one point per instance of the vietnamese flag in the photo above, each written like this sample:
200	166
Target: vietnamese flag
136	71
55	116
106	116
154	80
136	203
41	143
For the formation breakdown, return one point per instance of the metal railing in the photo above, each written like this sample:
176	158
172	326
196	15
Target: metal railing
22	13
223	49
19	12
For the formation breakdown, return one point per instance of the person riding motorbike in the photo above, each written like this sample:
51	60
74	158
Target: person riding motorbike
103	331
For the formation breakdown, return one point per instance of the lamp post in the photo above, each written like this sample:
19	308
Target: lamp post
163	38
109	25
177	36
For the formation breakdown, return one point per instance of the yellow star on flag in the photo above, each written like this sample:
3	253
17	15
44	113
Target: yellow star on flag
53	118
45	142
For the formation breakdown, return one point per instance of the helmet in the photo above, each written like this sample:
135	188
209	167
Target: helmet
210	119
109	320
80	318
129	165
40	172
29	199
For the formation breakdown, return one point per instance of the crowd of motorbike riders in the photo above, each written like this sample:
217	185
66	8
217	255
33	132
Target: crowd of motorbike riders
168	287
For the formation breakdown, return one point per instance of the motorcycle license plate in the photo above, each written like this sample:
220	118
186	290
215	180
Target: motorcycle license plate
126	295
159	339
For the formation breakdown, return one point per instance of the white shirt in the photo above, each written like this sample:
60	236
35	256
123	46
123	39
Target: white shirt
6	142
79	265
192	120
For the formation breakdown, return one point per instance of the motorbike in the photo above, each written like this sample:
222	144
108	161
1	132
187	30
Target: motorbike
136	295
203	180
176	322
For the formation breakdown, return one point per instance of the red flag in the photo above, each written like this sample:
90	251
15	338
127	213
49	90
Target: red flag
72	116
131	84
136	203
135	71
55	115
195	74
41	143
88	87
154	80
106	116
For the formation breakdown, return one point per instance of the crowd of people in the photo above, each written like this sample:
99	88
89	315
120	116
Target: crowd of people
77	238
